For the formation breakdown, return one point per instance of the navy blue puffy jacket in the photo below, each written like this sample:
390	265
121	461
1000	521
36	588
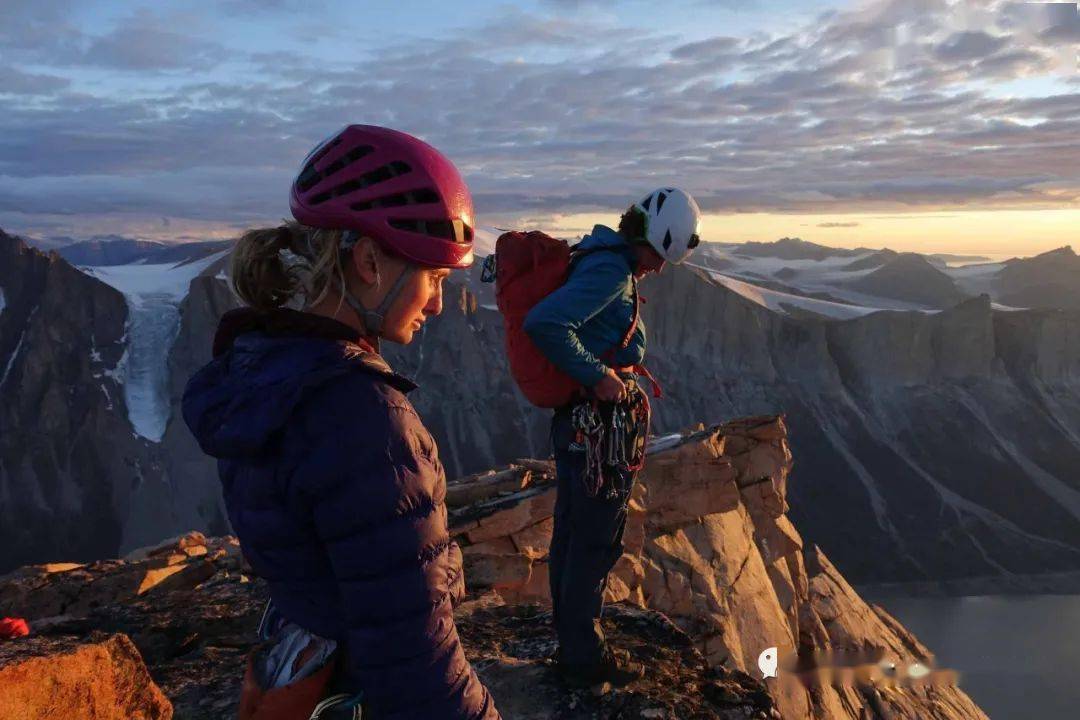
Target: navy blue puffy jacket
336	492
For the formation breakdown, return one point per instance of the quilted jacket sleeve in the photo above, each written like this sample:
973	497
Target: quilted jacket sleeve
376	491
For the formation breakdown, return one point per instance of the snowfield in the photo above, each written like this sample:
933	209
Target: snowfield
153	294
783	303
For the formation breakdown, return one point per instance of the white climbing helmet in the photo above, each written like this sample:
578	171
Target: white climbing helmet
671	223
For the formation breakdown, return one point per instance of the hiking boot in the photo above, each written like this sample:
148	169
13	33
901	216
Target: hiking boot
614	668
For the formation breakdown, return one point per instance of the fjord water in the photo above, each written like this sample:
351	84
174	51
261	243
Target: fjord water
1018	656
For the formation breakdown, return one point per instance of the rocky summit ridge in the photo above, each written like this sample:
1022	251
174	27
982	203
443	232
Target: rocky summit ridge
713	573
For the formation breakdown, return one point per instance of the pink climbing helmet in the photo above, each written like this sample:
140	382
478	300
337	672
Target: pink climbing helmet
392	187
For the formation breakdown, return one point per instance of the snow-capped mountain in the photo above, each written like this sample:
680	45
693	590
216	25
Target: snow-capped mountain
932	442
886	280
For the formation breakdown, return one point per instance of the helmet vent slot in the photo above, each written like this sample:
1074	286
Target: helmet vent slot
347	159
647	203
660	201
311	177
374	177
424	196
322	151
452	230
667	240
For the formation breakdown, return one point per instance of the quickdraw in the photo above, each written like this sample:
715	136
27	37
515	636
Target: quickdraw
613	437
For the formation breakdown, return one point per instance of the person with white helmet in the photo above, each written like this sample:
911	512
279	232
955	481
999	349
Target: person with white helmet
590	329
671	219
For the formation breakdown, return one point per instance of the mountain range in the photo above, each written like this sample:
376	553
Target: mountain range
936	425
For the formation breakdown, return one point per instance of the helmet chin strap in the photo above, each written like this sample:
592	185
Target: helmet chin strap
373	320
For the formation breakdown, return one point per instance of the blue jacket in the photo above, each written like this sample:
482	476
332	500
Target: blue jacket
336	492
578	324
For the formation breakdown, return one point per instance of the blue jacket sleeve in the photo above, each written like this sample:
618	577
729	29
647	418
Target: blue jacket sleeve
553	322
377	493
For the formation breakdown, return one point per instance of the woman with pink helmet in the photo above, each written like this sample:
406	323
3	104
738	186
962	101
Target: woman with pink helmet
331	481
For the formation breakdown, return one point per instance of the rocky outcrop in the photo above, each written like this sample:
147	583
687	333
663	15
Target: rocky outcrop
102	677
709	544
713	573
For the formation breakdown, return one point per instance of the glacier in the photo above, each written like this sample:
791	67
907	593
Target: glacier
153	294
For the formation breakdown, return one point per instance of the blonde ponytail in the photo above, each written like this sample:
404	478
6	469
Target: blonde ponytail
291	264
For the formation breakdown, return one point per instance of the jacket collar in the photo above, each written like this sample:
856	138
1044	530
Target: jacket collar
282	322
285	323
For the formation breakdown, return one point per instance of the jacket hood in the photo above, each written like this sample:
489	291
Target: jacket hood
265	364
604	237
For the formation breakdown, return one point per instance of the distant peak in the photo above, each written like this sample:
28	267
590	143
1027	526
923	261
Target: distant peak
1065	251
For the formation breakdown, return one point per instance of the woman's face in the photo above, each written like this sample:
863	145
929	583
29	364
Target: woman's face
419	299
649	261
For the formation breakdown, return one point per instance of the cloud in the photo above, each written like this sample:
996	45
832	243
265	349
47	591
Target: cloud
970	46
145	42
716	49
14	81
39	30
262	7
882	108
839	224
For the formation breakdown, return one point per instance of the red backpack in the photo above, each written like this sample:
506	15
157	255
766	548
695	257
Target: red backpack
529	266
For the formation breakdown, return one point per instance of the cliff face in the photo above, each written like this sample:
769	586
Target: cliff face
713	574
924	428
68	460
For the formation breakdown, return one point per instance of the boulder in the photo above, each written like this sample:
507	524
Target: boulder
61	678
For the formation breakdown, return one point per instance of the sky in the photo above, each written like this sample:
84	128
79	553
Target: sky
926	125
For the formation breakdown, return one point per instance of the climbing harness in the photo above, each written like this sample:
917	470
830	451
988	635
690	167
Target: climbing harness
613	437
289	674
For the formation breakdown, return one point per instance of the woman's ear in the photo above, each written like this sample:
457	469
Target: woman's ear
365	261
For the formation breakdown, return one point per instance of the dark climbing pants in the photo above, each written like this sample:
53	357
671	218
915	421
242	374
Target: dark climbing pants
586	542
